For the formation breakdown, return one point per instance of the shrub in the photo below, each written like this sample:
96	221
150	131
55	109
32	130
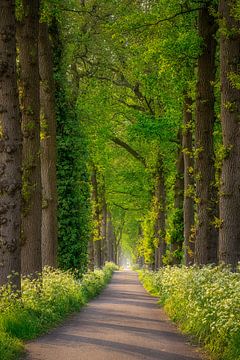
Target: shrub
44	303
204	302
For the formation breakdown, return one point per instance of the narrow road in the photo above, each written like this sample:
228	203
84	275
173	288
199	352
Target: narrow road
124	322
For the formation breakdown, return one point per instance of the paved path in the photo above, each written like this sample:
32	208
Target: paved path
123	323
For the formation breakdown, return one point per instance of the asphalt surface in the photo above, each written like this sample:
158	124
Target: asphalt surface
123	323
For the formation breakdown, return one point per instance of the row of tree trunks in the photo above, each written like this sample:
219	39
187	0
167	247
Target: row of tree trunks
103	244
10	150
20	165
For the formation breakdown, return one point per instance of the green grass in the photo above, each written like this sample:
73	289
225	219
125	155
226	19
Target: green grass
44	303
204	302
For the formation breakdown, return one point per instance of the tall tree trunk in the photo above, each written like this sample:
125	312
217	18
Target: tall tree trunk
104	228
206	233
96	220
177	244
30	106
188	205
111	238
229	242
10	150
160	208
48	150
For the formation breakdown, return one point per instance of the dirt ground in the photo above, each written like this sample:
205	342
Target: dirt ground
124	322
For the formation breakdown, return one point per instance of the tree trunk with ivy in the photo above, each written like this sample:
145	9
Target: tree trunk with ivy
10	151
188	204
206	233
229	242
48	150
28	29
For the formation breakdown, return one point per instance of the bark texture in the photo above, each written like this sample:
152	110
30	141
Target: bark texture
10	150
28	30
229	242
206	233
188	204
48	150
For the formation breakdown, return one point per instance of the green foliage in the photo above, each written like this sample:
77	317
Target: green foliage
44	303
72	175
204	302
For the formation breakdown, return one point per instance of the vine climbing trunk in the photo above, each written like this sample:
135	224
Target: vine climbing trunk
188	204
28	30
10	151
229	242
160	213
48	150
206	233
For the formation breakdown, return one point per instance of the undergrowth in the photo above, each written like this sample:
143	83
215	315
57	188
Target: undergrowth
204	302
43	304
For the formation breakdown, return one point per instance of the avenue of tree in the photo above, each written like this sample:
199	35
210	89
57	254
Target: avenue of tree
119	134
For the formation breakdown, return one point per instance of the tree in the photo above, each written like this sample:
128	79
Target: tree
206	233
229	242
72	176
177	236
10	150
188	206
96	219
48	150
28	30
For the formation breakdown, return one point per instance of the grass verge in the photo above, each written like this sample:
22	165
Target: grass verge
204	302
44	303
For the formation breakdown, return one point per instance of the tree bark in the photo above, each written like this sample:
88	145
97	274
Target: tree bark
229	242
10	151
111	237
160	208
206	233
48	150
28	30
188	204
104	228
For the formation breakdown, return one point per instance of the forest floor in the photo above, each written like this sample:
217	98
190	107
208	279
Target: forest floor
124	322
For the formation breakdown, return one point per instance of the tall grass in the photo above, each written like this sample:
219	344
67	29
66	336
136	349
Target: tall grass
204	302
43	304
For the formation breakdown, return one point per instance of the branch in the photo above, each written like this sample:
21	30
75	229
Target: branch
168	18
125	208
133	106
129	149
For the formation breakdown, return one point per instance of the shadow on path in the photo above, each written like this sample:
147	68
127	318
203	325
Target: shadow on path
123	323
